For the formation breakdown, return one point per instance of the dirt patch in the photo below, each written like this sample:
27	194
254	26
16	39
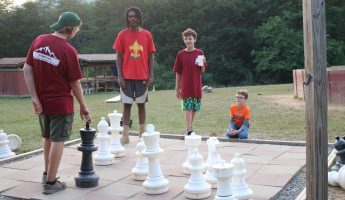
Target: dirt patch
291	102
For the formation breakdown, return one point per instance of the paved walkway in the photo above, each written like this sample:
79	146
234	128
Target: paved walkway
269	168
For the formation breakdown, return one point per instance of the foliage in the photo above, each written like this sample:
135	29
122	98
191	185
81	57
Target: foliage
245	42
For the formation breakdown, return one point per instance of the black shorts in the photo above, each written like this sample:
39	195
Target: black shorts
135	91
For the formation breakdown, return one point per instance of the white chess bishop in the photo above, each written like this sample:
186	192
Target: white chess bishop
213	157
140	171
192	142
239	187
103	155
223	172
197	186
155	182
5	151
115	145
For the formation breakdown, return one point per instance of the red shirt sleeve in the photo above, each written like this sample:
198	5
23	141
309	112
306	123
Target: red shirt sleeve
73	66
118	44
178	64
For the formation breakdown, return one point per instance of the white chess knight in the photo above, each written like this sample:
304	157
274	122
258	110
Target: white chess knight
140	171
5	151
115	145
155	182
239	187
192	142
213	157
197	186
223	172
103	155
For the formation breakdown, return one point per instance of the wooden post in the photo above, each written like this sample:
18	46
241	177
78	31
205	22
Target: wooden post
314	26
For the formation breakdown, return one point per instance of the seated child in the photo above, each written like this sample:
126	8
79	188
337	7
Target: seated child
239	117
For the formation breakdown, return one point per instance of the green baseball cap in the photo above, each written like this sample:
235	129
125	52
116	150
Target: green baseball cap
66	19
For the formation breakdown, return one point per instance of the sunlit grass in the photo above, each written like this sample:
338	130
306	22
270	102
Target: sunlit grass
275	114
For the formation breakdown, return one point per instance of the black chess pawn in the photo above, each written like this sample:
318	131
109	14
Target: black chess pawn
87	177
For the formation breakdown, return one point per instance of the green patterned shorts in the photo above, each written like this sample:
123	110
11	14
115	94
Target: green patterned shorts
191	103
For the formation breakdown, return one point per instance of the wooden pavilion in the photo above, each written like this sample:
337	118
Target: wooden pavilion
99	74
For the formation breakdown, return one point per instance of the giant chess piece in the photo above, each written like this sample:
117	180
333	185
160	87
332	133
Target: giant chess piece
197	186
223	172
192	142
239	187
155	183
115	145
103	155
140	171
5	151
87	177
213	158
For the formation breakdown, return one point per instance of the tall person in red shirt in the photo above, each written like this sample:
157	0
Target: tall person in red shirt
190	63
52	72
135	56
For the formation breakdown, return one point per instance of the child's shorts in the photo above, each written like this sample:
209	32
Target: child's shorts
56	127
135	91
191	103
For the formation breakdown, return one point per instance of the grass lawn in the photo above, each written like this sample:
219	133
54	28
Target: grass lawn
275	114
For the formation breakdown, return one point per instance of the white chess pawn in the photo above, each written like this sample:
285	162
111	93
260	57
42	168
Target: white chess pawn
155	182
5	151
103	155
224	171
197	187
140	171
213	158
192	142
239	187
115	145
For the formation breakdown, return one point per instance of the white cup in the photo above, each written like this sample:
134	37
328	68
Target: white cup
200	60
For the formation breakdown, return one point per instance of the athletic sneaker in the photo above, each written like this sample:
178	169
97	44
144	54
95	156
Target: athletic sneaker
189	132
44	178
57	186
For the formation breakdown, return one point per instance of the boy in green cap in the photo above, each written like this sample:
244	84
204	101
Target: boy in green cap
51	73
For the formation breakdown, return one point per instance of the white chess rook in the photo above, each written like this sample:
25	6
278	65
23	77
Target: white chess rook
192	142
115	145
5	151
239	187
103	155
140	171
197	187
155	182
223	172
213	158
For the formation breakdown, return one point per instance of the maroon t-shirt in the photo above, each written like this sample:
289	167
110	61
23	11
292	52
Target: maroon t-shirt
55	64
190	72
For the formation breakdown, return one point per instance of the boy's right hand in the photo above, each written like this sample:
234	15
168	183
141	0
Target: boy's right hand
178	94
121	82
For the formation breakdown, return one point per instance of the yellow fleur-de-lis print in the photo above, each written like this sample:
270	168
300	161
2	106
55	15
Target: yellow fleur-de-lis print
135	48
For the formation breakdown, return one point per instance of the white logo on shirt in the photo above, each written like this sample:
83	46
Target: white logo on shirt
44	54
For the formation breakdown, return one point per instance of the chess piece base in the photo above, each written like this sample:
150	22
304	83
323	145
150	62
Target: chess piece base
225	198
140	173
242	192
104	159
197	190
156	185
6	154
86	180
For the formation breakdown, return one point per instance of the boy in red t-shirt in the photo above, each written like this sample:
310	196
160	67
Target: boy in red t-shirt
190	63
51	73
239	117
